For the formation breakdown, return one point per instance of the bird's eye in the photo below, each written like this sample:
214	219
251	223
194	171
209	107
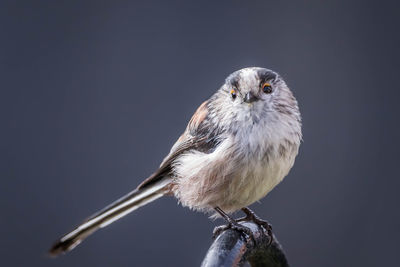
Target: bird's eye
233	93
267	88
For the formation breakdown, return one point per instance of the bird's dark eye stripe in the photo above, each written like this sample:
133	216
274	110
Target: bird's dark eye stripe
235	82
266	75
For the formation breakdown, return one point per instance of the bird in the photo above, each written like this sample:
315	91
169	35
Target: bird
238	145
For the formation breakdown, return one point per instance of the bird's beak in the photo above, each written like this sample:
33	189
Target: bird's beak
250	97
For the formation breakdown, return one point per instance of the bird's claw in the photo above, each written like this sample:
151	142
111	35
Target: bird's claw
234	226
251	216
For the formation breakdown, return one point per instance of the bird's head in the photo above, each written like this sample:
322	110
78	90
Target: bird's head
251	95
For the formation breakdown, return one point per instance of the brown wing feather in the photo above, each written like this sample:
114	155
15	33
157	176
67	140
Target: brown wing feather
185	142
198	117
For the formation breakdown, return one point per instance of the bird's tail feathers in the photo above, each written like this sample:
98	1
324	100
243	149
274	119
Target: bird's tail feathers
118	209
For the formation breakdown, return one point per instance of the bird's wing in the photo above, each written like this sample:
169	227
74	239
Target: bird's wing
199	135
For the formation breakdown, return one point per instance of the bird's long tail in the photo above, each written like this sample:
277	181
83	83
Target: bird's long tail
111	213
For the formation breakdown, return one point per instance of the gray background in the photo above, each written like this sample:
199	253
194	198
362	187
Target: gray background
93	95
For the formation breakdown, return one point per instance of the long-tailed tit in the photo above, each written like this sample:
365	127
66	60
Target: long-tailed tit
237	147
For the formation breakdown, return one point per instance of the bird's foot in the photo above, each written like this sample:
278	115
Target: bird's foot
234	226
251	216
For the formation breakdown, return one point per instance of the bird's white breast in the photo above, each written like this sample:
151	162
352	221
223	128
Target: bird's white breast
267	159
241	170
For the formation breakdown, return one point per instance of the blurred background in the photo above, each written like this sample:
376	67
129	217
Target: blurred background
94	93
